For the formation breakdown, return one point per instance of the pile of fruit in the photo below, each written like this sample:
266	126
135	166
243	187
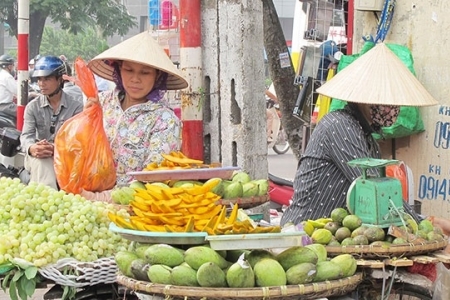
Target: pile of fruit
159	208
176	160
242	185
239	186
345	229
42	225
205	267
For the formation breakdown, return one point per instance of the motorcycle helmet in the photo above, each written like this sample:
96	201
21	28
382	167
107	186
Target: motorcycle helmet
6	60
49	66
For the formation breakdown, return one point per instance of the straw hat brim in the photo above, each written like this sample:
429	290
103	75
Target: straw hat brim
378	77
141	48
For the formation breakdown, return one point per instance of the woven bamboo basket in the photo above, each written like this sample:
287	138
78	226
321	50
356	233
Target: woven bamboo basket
400	250
70	272
288	292
245	202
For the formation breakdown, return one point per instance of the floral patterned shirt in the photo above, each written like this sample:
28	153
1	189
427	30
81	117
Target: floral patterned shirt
139	134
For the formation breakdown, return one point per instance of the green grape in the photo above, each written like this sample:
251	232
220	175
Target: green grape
42	225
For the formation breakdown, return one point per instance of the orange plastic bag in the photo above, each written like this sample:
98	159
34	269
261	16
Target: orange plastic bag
398	171
83	158
85	80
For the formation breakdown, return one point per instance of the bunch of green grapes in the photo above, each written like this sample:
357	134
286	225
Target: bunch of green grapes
42	225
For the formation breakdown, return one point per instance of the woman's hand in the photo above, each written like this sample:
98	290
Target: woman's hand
104	196
91	102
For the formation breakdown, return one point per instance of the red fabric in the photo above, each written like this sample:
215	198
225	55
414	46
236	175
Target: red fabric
427	270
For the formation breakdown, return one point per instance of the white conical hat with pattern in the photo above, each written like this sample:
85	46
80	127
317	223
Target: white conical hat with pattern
378	77
141	48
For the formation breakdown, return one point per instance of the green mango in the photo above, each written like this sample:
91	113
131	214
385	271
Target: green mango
240	275
233	190
211	275
123	260
198	255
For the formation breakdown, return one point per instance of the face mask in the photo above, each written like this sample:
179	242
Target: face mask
384	115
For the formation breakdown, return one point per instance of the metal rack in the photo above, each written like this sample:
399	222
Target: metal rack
325	34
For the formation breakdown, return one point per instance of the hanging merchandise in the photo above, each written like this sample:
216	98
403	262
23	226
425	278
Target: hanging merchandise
380	78
384	23
408	121
324	102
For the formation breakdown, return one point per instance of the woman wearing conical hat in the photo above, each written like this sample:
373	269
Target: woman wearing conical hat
137	119
371	87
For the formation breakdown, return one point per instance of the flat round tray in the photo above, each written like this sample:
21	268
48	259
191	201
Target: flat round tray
245	202
184	174
287	292
400	250
171	238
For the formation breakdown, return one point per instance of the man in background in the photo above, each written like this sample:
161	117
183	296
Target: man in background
8	87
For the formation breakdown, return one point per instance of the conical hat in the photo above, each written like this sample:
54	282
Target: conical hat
378	77
141	48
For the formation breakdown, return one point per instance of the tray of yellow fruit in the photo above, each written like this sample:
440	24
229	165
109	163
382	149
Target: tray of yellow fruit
177	166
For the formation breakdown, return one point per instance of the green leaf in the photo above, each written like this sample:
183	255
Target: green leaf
21	288
21	263
30	287
5	281
6	267
31	272
17	275
13	290
69	292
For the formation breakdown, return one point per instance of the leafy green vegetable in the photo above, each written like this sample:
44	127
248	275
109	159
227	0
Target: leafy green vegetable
21	280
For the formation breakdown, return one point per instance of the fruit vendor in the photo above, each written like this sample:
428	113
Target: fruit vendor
323	176
137	119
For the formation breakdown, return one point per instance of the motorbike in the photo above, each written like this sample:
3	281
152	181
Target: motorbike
11	162
279	142
9	139
280	192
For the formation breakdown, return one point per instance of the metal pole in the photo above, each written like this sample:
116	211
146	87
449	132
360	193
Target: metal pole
191	64
22	59
350	27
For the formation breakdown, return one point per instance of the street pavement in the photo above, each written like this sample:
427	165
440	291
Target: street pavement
283	166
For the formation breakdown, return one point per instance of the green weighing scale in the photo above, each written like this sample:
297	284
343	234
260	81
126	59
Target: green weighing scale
377	201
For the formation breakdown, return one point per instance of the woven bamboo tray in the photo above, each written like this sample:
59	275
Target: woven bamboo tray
400	250
288	292
245	202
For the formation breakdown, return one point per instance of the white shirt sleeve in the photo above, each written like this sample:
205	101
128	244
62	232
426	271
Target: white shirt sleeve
11	85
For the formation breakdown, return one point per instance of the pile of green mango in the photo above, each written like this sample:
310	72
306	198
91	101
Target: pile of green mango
205	267
345	229
241	185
